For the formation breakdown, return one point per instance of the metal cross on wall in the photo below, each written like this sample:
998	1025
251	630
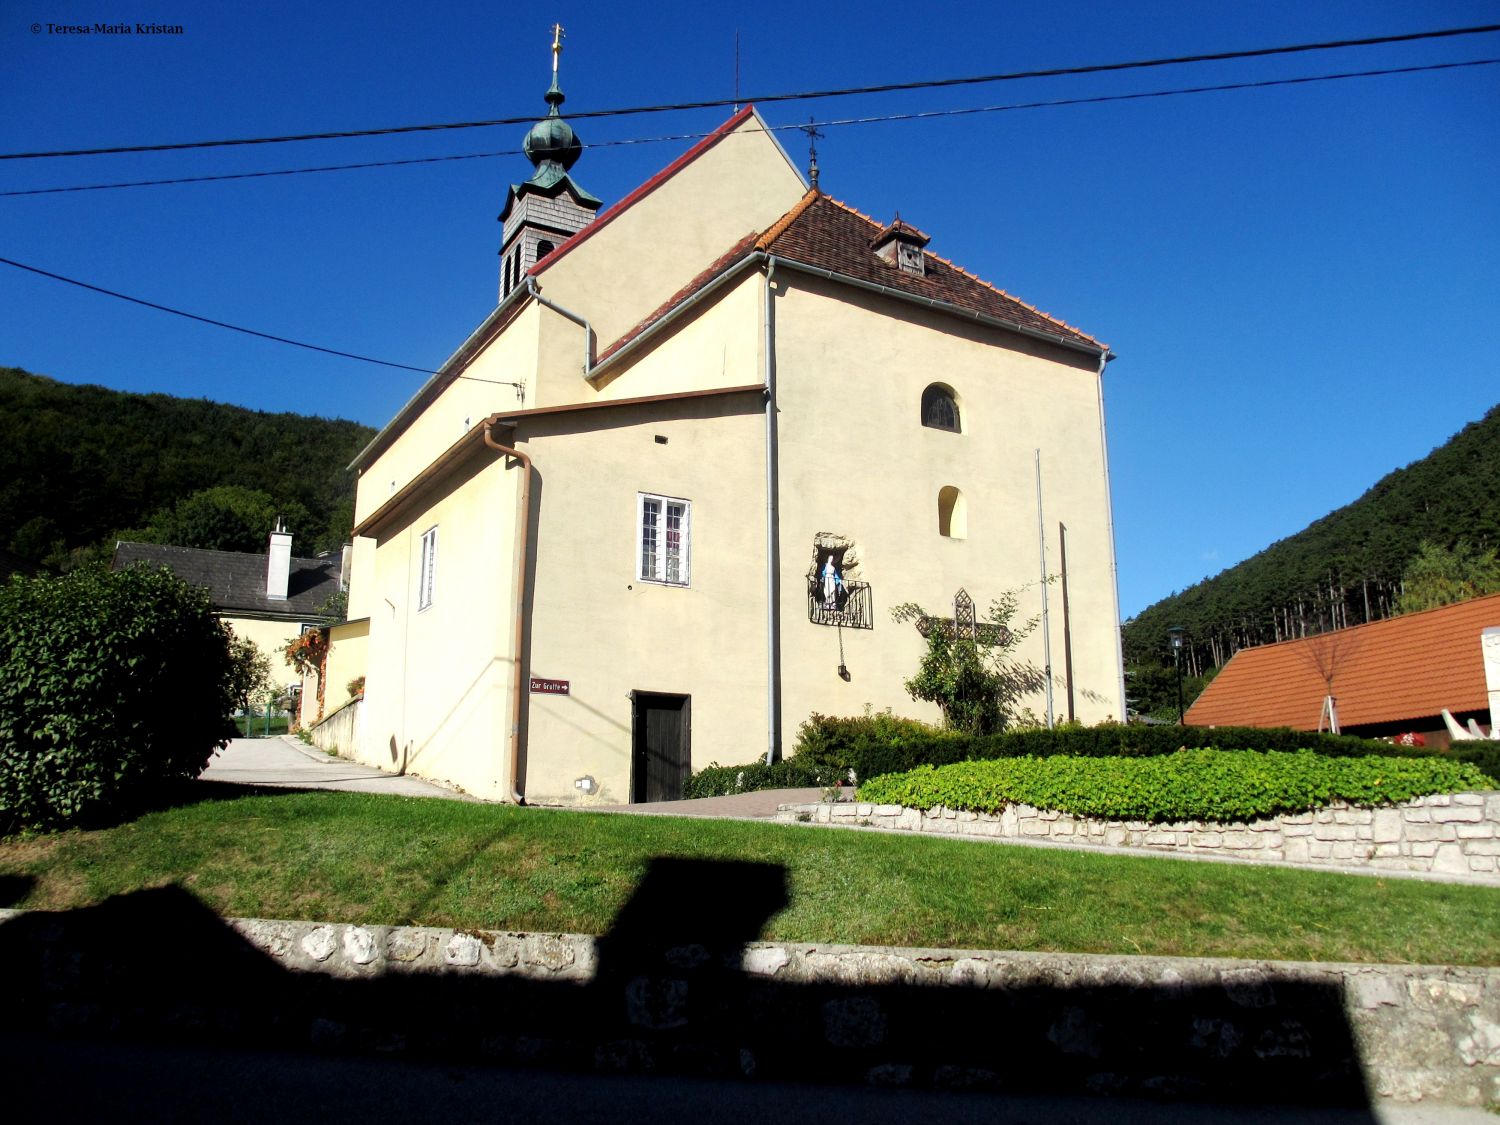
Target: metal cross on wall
964	622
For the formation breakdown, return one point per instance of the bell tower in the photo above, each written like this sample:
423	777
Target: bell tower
548	208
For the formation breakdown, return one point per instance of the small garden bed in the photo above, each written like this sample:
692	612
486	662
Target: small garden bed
1197	785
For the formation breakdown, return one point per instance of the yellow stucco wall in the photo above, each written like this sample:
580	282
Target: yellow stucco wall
649	251
509	358
597	625
437	679
721	345
348	652
856	461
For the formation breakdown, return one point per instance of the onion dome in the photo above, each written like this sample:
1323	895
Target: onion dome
551	145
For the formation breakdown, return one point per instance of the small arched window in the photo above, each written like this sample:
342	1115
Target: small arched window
940	408
953	513
543	248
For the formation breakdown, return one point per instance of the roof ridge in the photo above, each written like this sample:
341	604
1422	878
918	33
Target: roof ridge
776	229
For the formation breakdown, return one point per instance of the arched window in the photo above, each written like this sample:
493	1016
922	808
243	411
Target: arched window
953	513
543	248
940	408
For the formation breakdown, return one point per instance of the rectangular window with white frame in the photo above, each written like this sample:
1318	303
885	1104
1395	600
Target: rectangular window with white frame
428	571
664	533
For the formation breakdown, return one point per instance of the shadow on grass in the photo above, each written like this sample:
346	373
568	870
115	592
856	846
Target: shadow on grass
670	995
14	889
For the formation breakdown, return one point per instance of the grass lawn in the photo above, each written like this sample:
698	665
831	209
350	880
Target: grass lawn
352	857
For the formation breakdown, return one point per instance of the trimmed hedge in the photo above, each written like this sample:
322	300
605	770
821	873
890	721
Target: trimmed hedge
1214	785
112	685
869	757
790	773
1483	756
875	745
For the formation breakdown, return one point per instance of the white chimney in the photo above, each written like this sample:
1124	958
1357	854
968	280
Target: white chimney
278	563
1489	644
346	560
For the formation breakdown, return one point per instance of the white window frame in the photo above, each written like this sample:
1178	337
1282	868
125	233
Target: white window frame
427	570
652	561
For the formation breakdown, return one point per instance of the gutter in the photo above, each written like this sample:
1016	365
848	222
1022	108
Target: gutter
944	307
773	530
523	536
1109	532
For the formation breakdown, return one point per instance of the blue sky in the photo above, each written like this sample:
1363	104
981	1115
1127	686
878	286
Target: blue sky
1301	282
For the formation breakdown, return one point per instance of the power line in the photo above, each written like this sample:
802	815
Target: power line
210	320
830	123
890	87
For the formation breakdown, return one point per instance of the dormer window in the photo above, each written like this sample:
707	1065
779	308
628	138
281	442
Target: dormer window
900	245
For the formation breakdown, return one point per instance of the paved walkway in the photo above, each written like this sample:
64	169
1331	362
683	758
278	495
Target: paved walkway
289	763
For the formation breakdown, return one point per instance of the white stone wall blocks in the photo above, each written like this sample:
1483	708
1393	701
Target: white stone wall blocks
1455	834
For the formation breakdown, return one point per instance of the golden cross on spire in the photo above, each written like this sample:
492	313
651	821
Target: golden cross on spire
557	38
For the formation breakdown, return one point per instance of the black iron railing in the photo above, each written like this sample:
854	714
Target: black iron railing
853	606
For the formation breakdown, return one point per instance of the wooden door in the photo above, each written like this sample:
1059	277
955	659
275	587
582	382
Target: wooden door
662	740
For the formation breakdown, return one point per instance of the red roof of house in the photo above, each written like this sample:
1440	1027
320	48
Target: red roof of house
1408	667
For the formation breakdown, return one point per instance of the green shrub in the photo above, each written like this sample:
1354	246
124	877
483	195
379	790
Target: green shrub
111	685
1216	785
827	740
857	745
790	773
1484	756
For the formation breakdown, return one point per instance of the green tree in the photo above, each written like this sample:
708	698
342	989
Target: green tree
113	685
225	518
977	681
1441	576
250	674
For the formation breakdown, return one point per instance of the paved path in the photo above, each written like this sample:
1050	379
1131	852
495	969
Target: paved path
289	763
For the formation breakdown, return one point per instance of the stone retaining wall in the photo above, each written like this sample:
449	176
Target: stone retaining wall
1448	834
339	732
1217	1030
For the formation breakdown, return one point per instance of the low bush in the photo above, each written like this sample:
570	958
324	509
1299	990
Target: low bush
790	773
829	740
1216	785
111	686
1483	756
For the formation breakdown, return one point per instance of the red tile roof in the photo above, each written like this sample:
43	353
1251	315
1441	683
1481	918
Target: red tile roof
1408	667
828	234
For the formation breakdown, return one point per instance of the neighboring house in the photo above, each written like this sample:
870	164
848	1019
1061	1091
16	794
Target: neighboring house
269	598
657	509
1387	677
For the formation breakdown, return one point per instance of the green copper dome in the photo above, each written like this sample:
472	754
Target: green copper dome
551	145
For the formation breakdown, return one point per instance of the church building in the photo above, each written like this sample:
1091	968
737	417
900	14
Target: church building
656	510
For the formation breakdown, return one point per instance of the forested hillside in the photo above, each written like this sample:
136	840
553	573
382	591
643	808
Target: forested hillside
1345	569
83	465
